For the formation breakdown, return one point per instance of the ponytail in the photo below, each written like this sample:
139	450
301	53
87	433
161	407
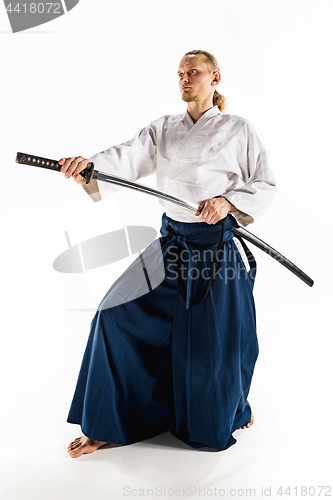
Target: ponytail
219	100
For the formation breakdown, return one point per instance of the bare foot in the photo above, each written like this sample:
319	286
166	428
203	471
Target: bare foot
249	424
83	445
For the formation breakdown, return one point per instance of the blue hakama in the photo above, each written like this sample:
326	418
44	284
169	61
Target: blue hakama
156	362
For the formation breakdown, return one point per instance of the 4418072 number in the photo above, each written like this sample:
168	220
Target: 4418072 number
35	8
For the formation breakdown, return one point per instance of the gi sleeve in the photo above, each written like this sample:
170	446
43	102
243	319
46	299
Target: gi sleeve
257	186
131	160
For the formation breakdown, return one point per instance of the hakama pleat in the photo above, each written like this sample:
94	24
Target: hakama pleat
156	362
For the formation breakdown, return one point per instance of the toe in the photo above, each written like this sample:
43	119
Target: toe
74	446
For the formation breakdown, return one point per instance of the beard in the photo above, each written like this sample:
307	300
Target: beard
189	97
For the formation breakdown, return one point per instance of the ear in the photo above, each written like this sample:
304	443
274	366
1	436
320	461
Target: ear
216	77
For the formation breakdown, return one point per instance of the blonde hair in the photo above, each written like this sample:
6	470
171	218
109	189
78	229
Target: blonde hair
218	99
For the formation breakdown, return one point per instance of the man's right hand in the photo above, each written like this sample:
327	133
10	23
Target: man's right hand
72	167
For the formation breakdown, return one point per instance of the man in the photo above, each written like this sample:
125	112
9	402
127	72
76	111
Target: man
181	356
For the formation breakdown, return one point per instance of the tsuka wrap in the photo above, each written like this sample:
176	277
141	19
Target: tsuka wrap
39	161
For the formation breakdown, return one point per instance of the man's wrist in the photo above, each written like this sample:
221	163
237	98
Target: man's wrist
232	207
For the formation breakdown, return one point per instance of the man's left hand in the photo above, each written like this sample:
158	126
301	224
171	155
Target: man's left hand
214	209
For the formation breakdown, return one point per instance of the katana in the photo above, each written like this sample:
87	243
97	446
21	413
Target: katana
90	173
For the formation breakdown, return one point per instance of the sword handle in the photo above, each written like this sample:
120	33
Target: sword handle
39	161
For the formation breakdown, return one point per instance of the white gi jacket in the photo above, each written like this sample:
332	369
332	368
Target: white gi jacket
219	155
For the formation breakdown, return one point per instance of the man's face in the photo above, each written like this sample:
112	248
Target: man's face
195	78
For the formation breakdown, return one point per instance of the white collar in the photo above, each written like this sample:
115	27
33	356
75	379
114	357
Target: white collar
205	116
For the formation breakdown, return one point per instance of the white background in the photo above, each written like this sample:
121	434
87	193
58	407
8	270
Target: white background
91	79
